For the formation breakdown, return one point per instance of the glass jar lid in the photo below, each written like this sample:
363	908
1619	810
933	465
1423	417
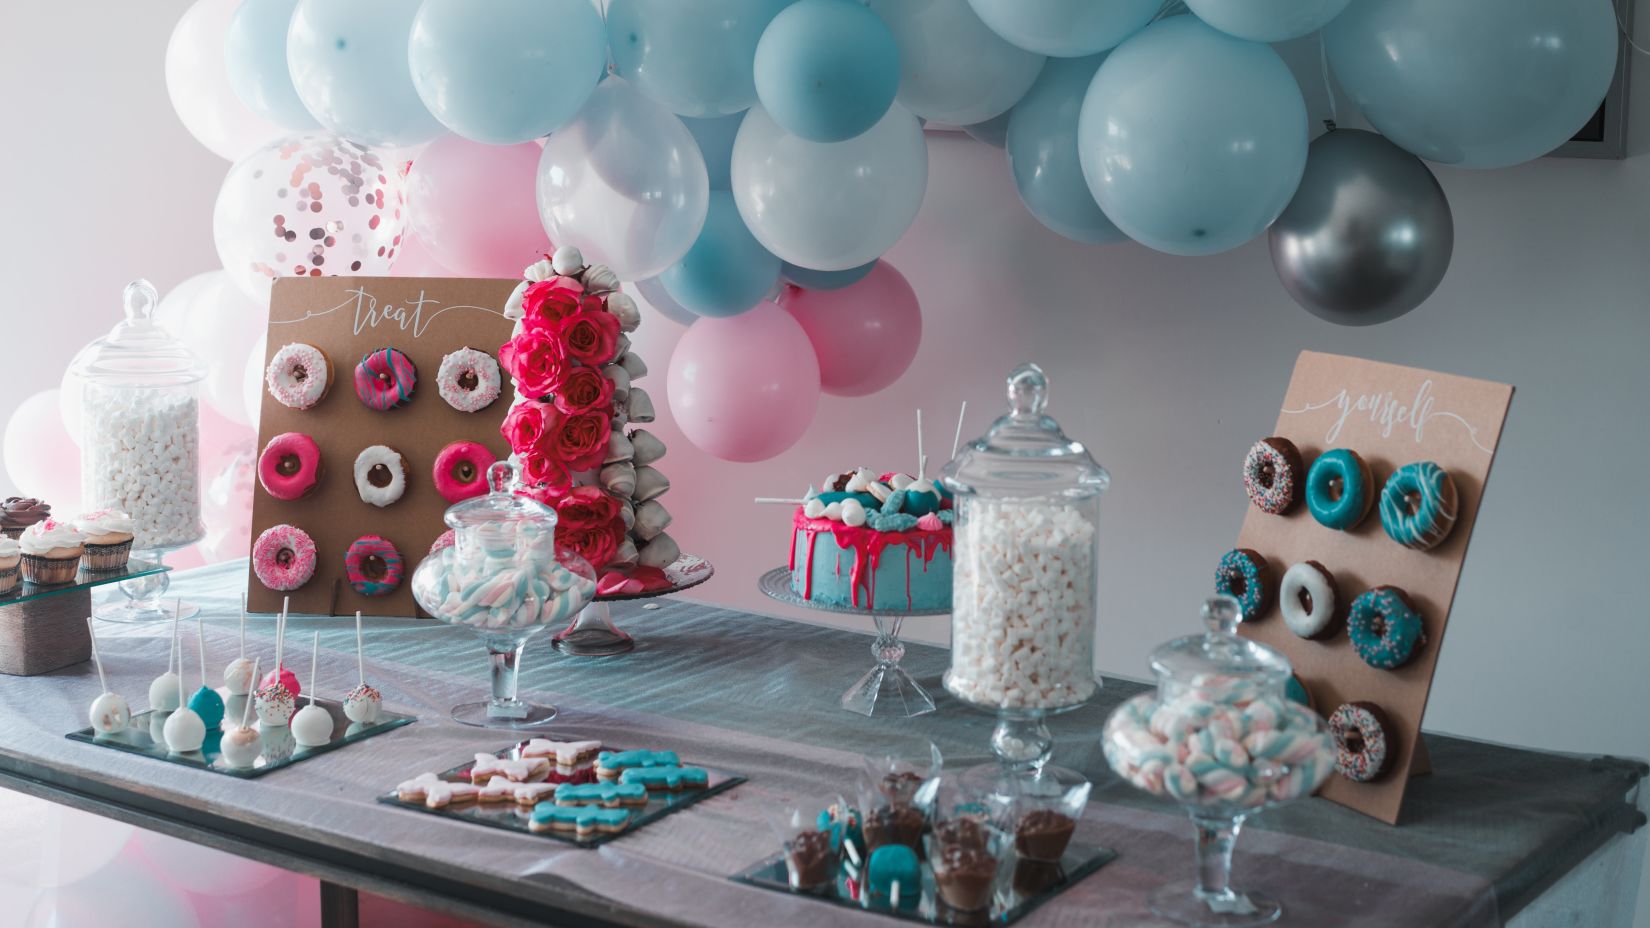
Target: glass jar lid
1219	656
138	351
500	506
1025	453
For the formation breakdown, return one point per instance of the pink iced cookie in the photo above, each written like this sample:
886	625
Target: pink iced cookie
290	466
461	470
283	557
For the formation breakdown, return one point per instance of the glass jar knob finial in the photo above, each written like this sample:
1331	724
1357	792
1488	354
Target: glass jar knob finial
1222	614
140	299
1027	391
500	476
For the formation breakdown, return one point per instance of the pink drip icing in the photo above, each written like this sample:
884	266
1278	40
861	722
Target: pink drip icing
867	544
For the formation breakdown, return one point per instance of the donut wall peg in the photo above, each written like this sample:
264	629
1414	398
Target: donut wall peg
1360	552
373	386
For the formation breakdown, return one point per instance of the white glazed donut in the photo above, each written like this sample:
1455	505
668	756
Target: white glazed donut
468	380
380	475
1318	585
298	376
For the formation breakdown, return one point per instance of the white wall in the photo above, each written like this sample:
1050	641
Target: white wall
1168	367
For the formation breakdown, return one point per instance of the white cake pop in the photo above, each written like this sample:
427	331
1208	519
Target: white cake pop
163	692
238	677
312	726
241	745
184	730
274	703
109	713
363	703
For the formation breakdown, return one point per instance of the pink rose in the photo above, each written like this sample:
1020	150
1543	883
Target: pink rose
584	389
545	473
586	507
526	425
580	442
595	543
534	360
547	302
589	337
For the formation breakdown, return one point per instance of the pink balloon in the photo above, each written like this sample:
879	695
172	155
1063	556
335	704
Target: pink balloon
226	504
40	457
746	387
865	334
473	206
414	260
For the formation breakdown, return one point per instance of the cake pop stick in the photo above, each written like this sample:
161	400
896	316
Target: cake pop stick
360	661
243	608
238	677
241	745
184	730
363	703
314	661
109	711
280	674
246	710
312	726
163	687
206	702
956	440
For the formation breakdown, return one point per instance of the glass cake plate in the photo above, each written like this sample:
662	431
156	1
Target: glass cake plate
510	816
887	690
142	736
592	632
84	580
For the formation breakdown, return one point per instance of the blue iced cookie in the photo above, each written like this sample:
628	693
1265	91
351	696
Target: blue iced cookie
609	764
893	864
666	778
582	821
1385	630
1338	489
601	794
1418	505
1244	576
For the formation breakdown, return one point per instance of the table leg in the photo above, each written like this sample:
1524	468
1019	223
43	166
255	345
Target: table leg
339	906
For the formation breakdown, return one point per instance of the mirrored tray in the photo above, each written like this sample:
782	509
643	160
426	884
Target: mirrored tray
513	817
143	736
84	580
1021	886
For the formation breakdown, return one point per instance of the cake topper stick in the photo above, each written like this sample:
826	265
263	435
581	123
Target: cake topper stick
314	657
243	625
776	500
956	441
922	459
246	709
360	662
101	679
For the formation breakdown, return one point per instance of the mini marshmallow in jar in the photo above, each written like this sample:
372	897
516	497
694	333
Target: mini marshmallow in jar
140	426
1024	566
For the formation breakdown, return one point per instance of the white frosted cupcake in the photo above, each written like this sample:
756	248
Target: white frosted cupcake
51	552
108	539
11	557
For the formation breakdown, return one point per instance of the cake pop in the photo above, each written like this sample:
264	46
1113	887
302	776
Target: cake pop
312	726
184	730
241	745
206	702
280	674
110	713
363	703
238	676
274	701
163	692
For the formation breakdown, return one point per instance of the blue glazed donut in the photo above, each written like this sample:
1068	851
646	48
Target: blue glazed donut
1418	505
1385	630
1343	509
1243	575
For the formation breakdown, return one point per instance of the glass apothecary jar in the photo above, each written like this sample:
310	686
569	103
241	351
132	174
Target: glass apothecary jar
1219	736
1025	561
140	440
505	578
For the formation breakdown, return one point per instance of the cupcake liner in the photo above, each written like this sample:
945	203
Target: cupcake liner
10	577
107	557
40	569
12	532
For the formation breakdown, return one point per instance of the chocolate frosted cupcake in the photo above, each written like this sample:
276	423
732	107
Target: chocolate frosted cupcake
108	539
19	512
11	558
51	552
1043	834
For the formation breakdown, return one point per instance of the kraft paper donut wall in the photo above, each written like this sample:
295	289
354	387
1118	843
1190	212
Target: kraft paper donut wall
1391	416
348	317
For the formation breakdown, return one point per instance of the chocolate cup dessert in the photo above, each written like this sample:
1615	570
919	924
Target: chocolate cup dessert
893	825
1043	834
810	861
899	788
960	832
964	877
1034	876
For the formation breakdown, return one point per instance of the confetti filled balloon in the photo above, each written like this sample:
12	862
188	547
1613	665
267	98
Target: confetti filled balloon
307	206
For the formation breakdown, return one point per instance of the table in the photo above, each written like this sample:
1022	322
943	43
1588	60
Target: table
1484	837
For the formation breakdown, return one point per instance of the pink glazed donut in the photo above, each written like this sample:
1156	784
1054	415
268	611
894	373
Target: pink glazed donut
290	466
461	470
283	557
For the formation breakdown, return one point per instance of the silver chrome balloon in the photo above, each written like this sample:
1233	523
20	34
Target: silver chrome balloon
1369	233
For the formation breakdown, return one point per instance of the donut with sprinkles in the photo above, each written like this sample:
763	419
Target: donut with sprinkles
1385	629
385	379
1363	741
1272	475
298	376
469	380
283	557
1244	575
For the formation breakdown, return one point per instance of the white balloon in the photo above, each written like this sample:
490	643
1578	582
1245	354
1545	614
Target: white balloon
624	183
953	68
40	457
252	382
69	404
200	869
197	80
830	206
219	323
65	845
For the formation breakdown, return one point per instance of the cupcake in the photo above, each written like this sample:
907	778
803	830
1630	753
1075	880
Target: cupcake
108	538
51	552
19	512
11	555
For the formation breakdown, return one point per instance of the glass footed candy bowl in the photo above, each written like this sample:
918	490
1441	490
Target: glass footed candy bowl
505	578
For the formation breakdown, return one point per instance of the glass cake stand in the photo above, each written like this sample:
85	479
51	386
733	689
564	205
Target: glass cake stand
887	690
592	632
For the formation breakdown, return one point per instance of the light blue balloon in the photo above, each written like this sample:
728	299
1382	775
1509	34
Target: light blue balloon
1192	141
694	57
255	52
953	68
715	138
1267	20
349	65
1042	152
727	271
515	72
654	294
993	131
1475	83
809	279
1068	28
827	70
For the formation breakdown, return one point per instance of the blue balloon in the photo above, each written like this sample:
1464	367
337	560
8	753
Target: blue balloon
993	131
727	271
695	58
827	70
655	295
487	76
1475	83
809	279
255	51
1068	28
1042	152
1267	20
715	138
349	65
1192	141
